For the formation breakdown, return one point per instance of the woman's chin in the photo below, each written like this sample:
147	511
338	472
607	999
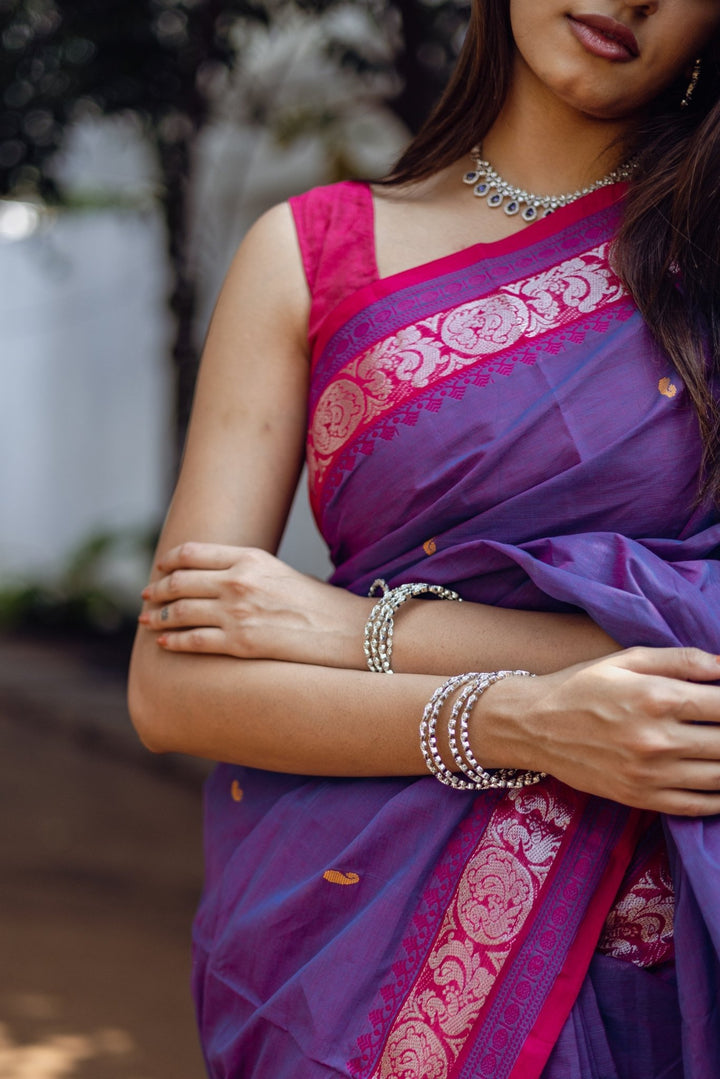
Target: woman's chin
601	106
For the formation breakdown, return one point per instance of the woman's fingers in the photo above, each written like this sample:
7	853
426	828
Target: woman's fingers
202	556
691	704
685	803
699	743
698	776
205	640
678	763
180	583
182	614
686	664
682	773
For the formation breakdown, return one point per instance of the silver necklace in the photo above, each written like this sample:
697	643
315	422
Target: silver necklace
489	185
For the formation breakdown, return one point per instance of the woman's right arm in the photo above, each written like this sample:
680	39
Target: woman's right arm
239	472
240	468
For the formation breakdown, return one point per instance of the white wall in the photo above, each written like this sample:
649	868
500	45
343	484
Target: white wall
85	392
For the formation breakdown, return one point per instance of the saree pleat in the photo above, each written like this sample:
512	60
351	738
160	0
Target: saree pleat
500	422
612	1030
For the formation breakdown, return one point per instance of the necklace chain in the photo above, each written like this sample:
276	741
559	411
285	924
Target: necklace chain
489	185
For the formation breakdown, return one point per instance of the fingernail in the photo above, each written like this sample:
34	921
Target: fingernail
162	640
145	593
144	618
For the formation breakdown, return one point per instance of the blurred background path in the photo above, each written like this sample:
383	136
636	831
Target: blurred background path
101	870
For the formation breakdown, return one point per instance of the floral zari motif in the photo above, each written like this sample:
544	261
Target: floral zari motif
639	928
497	892
527	906
413	359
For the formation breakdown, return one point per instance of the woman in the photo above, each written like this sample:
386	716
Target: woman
485	409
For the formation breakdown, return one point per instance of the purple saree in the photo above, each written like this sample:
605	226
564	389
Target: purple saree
500	422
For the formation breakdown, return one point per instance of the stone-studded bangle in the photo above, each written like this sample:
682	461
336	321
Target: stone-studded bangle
469	687
380	626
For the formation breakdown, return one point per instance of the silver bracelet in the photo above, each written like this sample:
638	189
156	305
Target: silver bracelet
471	687
380	626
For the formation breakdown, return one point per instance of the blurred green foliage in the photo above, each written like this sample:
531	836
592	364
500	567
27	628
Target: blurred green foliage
87	596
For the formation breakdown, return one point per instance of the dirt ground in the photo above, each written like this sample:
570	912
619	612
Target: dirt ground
101	869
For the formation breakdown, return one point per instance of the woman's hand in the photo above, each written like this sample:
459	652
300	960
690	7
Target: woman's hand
244	602
636	727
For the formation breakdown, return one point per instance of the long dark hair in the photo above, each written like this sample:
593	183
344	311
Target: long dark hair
667	250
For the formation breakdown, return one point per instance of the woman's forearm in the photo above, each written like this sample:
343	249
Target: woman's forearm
439	636
280	716
435	636
616	727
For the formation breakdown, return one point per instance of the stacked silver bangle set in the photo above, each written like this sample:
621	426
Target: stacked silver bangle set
380	625
469	687
378	644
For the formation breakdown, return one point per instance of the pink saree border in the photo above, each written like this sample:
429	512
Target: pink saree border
488	928
558	1005
473	340
426	271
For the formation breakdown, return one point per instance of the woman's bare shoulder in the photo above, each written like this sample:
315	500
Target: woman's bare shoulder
272	237
266	275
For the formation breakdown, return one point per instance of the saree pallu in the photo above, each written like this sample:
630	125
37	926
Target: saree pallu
500	422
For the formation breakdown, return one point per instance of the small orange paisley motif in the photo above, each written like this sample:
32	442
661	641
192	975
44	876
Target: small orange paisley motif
667	389
430	546
236	791
334	876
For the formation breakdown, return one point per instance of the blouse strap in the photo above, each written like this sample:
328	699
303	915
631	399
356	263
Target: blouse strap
335	230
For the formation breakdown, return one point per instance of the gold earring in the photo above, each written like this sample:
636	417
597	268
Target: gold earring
694	78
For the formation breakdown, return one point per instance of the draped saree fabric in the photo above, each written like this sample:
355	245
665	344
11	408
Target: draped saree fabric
498	421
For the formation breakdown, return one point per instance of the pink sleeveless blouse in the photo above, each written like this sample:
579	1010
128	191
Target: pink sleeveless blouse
335	229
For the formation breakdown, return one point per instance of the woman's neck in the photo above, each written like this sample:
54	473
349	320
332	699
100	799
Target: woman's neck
543	145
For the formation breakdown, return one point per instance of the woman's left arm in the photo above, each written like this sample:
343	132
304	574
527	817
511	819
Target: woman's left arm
244	602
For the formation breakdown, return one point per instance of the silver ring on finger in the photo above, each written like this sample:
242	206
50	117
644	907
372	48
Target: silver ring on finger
164	614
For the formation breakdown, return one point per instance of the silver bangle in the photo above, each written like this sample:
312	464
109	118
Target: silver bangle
471	687
428	731
464	702
380	626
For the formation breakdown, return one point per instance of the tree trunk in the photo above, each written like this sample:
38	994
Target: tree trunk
175	161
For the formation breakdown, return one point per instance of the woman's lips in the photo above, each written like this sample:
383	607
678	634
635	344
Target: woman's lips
605	37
